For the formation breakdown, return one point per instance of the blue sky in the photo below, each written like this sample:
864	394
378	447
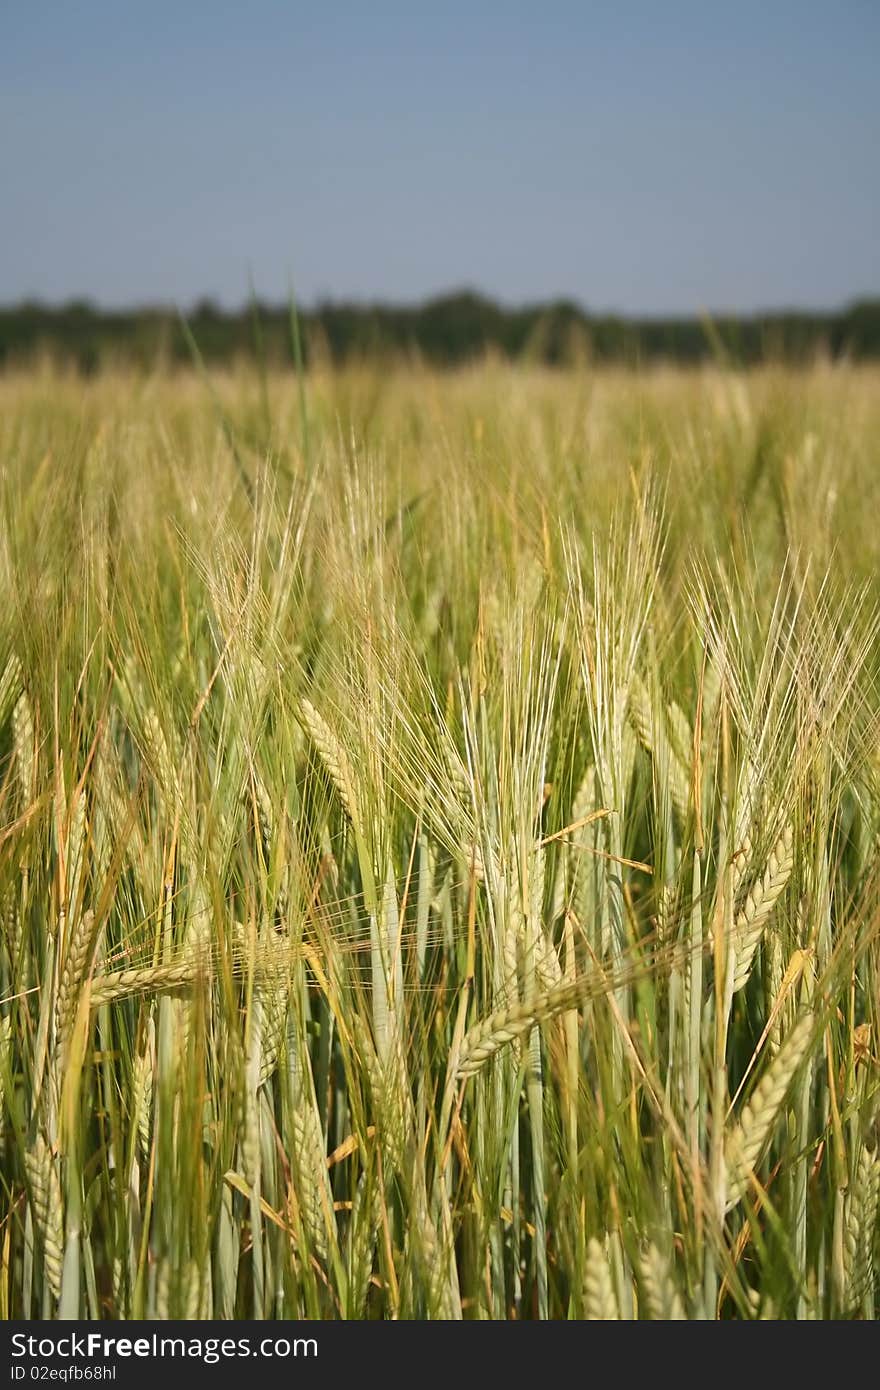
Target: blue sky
638	157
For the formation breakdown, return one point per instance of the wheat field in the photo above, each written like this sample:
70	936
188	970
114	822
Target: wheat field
439	844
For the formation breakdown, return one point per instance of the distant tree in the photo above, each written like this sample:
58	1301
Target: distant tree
445	330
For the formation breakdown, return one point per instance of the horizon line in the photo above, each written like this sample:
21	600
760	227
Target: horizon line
317	304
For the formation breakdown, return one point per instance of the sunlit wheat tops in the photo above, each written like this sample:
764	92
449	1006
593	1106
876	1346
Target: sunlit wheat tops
440	848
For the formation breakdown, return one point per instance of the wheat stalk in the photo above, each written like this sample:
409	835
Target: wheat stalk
756	911
122	984
274	1002
508	1023
655	740
309	1156
82	944
600	1300
142	1090
23	743
745	1144
861	1225
362	1231
10	685
47	1207
334	757
662	1298
505	1025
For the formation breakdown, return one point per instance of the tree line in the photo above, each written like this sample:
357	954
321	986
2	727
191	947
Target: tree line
443	331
